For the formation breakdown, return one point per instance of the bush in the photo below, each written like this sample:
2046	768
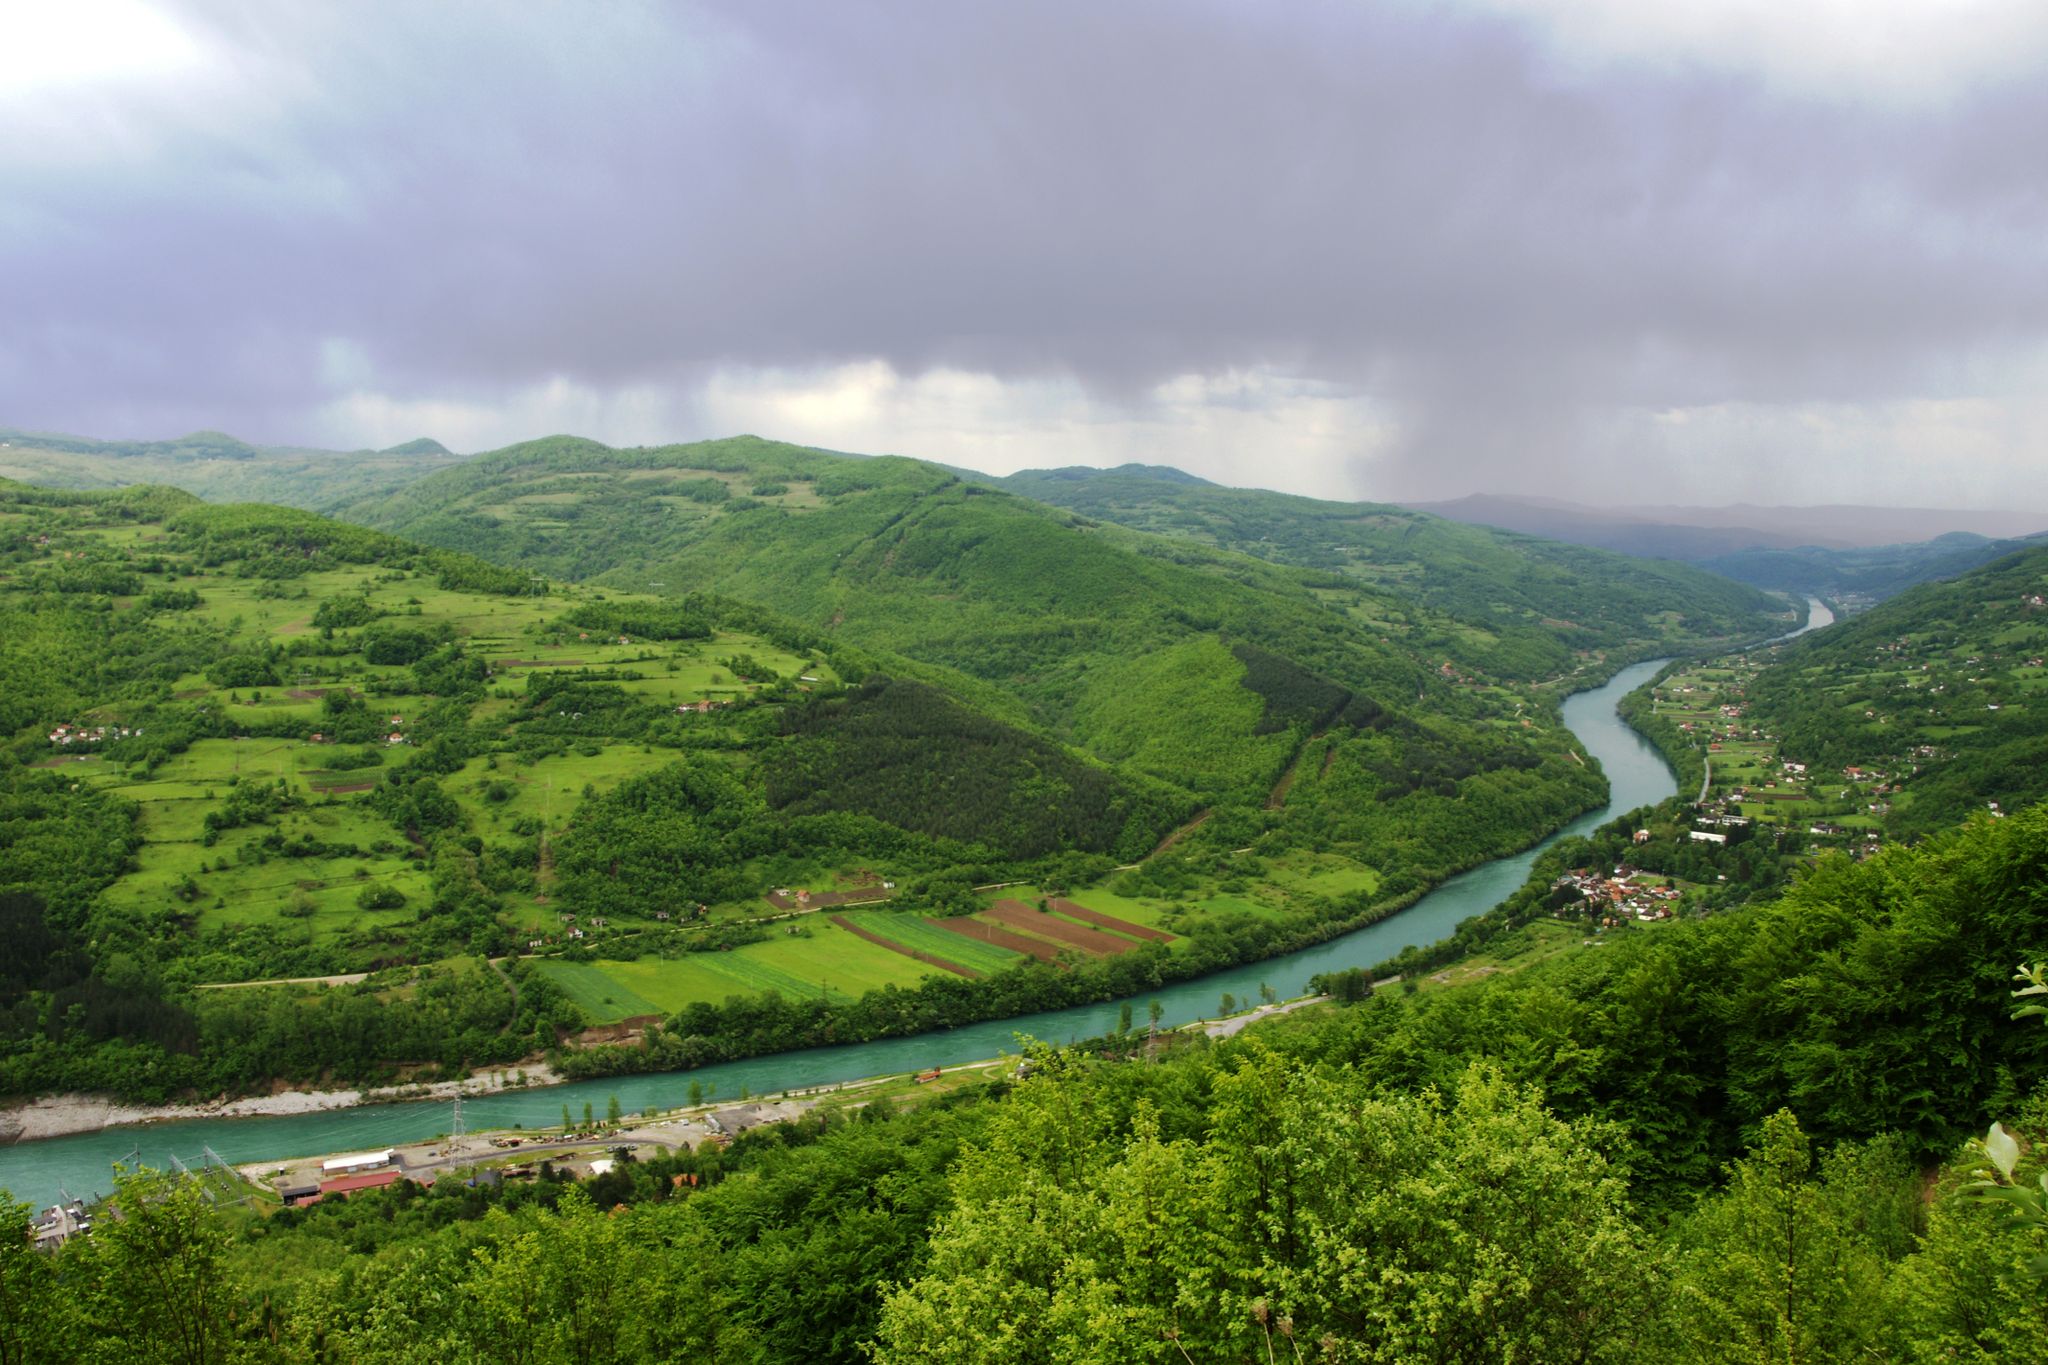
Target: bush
241	670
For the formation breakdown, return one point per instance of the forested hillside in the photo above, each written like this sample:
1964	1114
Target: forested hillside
1733	1139
1940	694
246	744
1549	597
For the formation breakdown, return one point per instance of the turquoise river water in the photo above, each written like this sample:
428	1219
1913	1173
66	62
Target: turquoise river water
1636	774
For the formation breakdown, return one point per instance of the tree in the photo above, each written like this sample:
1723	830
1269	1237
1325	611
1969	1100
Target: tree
2026	1209
1312	1211
1156	1012
613	1113
156	1288
1784	1265
32	1320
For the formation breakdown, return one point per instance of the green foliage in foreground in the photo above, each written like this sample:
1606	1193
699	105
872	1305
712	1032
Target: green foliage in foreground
1699	1144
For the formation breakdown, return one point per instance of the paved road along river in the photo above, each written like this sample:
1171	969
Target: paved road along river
1636	774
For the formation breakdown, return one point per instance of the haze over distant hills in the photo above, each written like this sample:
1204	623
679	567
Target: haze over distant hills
218	467
1840	550
1697	533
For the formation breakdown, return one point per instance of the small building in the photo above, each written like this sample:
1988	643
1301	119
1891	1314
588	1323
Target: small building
1700	836
357	1161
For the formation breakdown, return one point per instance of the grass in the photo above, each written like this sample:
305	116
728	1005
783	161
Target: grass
1322	875
827	959
914	931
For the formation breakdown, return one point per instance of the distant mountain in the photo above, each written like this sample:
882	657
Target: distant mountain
1694	533
1841	550
425	445
217	467
1087	474
1873	573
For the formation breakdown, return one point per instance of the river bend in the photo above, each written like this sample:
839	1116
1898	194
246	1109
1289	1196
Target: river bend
1637	776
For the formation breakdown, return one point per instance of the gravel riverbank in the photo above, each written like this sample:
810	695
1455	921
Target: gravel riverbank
64	1115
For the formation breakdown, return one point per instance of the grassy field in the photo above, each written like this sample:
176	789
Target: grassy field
824	959
915	931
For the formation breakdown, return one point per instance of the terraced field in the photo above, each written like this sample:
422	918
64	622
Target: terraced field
1070	910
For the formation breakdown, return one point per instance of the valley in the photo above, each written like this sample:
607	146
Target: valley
795	816
428	814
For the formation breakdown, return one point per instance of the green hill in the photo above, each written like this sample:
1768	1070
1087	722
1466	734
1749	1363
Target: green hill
217	467
1864	573
243	743
424	445
1942	689
1095	628
1542	599
1210	671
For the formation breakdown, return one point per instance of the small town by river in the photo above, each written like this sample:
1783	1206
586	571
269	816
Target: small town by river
37	1172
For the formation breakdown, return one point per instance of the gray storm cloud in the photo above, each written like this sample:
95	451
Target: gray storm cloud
1416	203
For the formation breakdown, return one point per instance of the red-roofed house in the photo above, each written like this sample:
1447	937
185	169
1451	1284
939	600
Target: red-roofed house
349	1184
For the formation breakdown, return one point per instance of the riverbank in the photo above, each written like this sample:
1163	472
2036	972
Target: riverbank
686	1128
38	1172
56	1116
53	1116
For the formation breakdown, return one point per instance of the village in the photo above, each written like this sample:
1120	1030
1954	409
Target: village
1749	785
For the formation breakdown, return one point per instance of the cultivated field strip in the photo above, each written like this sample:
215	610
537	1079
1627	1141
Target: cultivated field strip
1018	915
983	932
1110	922
928	959
914	931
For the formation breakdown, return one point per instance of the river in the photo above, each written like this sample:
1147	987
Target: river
1637	776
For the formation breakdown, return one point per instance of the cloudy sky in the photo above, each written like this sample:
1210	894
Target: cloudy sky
1777	250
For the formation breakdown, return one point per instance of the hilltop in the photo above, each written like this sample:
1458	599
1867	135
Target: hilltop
217	466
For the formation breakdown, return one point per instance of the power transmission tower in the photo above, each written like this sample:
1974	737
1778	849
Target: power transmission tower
456	1131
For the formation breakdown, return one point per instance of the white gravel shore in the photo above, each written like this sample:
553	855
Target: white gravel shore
63	1115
